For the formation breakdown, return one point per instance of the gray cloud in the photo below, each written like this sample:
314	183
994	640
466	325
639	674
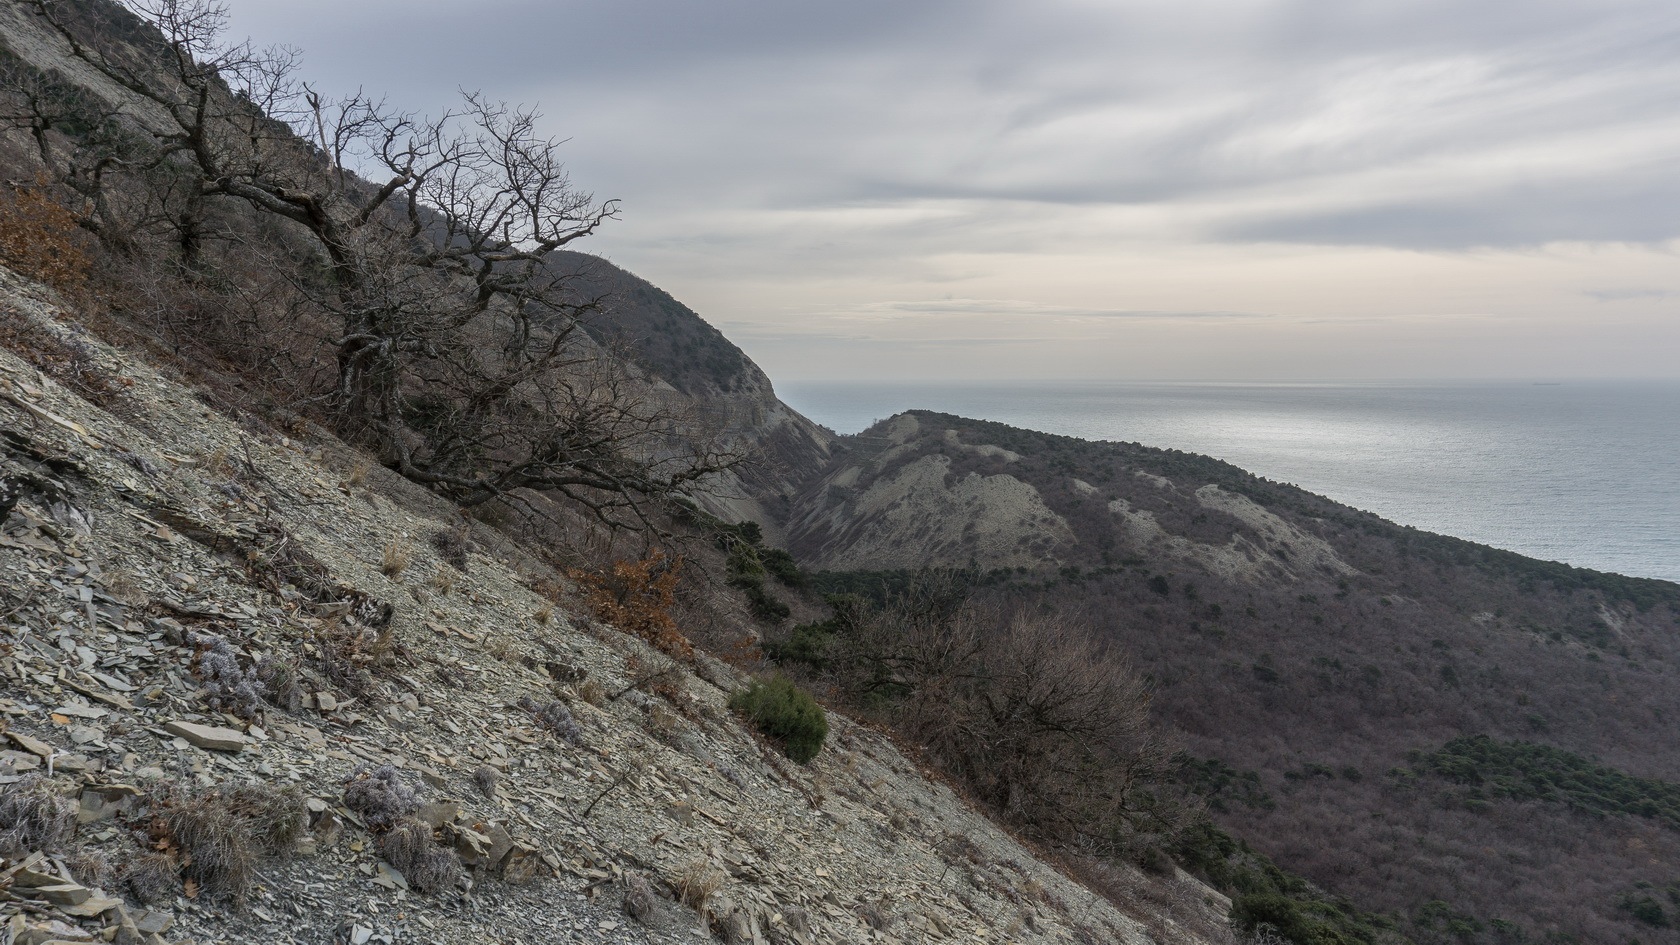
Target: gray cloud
816	104
1625	295
778	159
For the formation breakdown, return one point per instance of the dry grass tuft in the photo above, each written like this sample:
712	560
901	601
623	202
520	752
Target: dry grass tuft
410	848
149	876
276	816
395	559
34	816
217	850
89	867
698	882
544	614
442	581
592	692
874	916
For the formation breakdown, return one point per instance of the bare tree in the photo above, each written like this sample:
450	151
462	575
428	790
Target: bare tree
458	351
1028	708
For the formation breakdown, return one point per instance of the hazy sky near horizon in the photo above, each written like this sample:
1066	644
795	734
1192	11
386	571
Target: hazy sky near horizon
1203	189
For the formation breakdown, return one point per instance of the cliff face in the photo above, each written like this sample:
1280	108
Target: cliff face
703	372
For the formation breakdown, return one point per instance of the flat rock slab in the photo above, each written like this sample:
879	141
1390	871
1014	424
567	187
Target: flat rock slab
210	737
32	745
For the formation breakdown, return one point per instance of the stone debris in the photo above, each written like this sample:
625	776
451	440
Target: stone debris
175	525
211	737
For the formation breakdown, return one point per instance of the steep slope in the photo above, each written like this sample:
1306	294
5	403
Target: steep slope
691	370
1324	661
707	372
156	534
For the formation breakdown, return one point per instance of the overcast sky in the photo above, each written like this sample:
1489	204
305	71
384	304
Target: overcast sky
1195	189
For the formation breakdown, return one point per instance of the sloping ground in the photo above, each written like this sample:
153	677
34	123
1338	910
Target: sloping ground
691	368
156	526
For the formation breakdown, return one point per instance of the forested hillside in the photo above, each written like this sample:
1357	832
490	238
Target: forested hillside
1475	743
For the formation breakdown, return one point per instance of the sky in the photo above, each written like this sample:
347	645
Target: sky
1102	189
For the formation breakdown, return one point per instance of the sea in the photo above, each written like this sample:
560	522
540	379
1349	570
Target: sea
1583	472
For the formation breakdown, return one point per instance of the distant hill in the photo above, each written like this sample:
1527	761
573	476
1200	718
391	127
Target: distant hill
1328	663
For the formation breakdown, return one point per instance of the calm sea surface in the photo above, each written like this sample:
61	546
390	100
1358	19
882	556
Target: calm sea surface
1582	472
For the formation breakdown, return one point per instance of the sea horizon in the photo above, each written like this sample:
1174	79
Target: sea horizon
1578	470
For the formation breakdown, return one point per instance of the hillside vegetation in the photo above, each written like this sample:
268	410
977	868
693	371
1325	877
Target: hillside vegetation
1404	719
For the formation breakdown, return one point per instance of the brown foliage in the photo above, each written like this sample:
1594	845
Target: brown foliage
39	237
637	597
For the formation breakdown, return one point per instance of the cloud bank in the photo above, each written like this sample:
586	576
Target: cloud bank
1103	184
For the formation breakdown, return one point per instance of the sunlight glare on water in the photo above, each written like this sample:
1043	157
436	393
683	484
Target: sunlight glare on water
1587	473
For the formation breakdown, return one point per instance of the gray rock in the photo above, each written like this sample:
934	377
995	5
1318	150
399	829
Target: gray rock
209	737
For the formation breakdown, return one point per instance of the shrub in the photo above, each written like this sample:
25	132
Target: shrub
1259	912
640	903
224	686
452	545
809	643
228	688
34	816
40	239
637	597
1646	909
279	681
786	714
379	796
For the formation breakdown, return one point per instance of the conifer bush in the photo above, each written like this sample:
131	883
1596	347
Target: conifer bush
786	714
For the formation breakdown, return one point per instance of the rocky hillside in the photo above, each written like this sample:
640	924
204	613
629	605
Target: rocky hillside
67	113
1438	730
707	374
165	561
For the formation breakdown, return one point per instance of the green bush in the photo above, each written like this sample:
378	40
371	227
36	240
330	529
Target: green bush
786	714
1526	771
809	643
